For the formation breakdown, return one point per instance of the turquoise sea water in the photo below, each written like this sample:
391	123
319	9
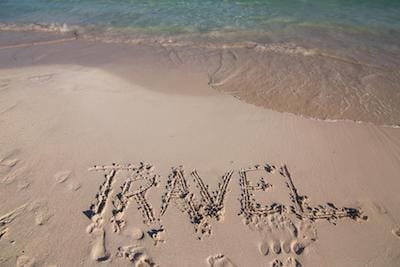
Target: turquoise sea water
335	59
248	20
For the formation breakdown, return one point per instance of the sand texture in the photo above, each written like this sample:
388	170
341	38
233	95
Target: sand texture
105	163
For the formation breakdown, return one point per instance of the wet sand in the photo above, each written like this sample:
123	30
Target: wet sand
306	79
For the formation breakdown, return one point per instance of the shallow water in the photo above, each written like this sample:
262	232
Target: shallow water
329	59
212	17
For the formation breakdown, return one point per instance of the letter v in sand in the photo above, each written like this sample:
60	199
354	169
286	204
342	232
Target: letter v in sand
210	205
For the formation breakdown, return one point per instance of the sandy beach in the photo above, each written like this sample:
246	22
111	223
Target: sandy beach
122	154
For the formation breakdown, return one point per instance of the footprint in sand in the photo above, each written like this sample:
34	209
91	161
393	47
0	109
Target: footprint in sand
8	161
137	255
292	262
297	247
74	186
99	252
285	246
24	184
220	260
276	247
396	232
263	247
3	232
42	215
62	176
282	236
137	233
276	263
11	168
15	174
24	261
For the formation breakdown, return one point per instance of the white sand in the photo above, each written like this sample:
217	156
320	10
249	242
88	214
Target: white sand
57	121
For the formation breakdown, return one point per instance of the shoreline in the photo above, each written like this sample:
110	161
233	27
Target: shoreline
247	72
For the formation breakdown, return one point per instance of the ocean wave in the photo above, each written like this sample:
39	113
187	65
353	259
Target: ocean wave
207	41
38	27
133	36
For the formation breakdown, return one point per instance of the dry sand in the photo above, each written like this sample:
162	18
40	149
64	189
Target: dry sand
107	160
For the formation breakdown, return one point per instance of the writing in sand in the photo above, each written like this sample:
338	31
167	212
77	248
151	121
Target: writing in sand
125	183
